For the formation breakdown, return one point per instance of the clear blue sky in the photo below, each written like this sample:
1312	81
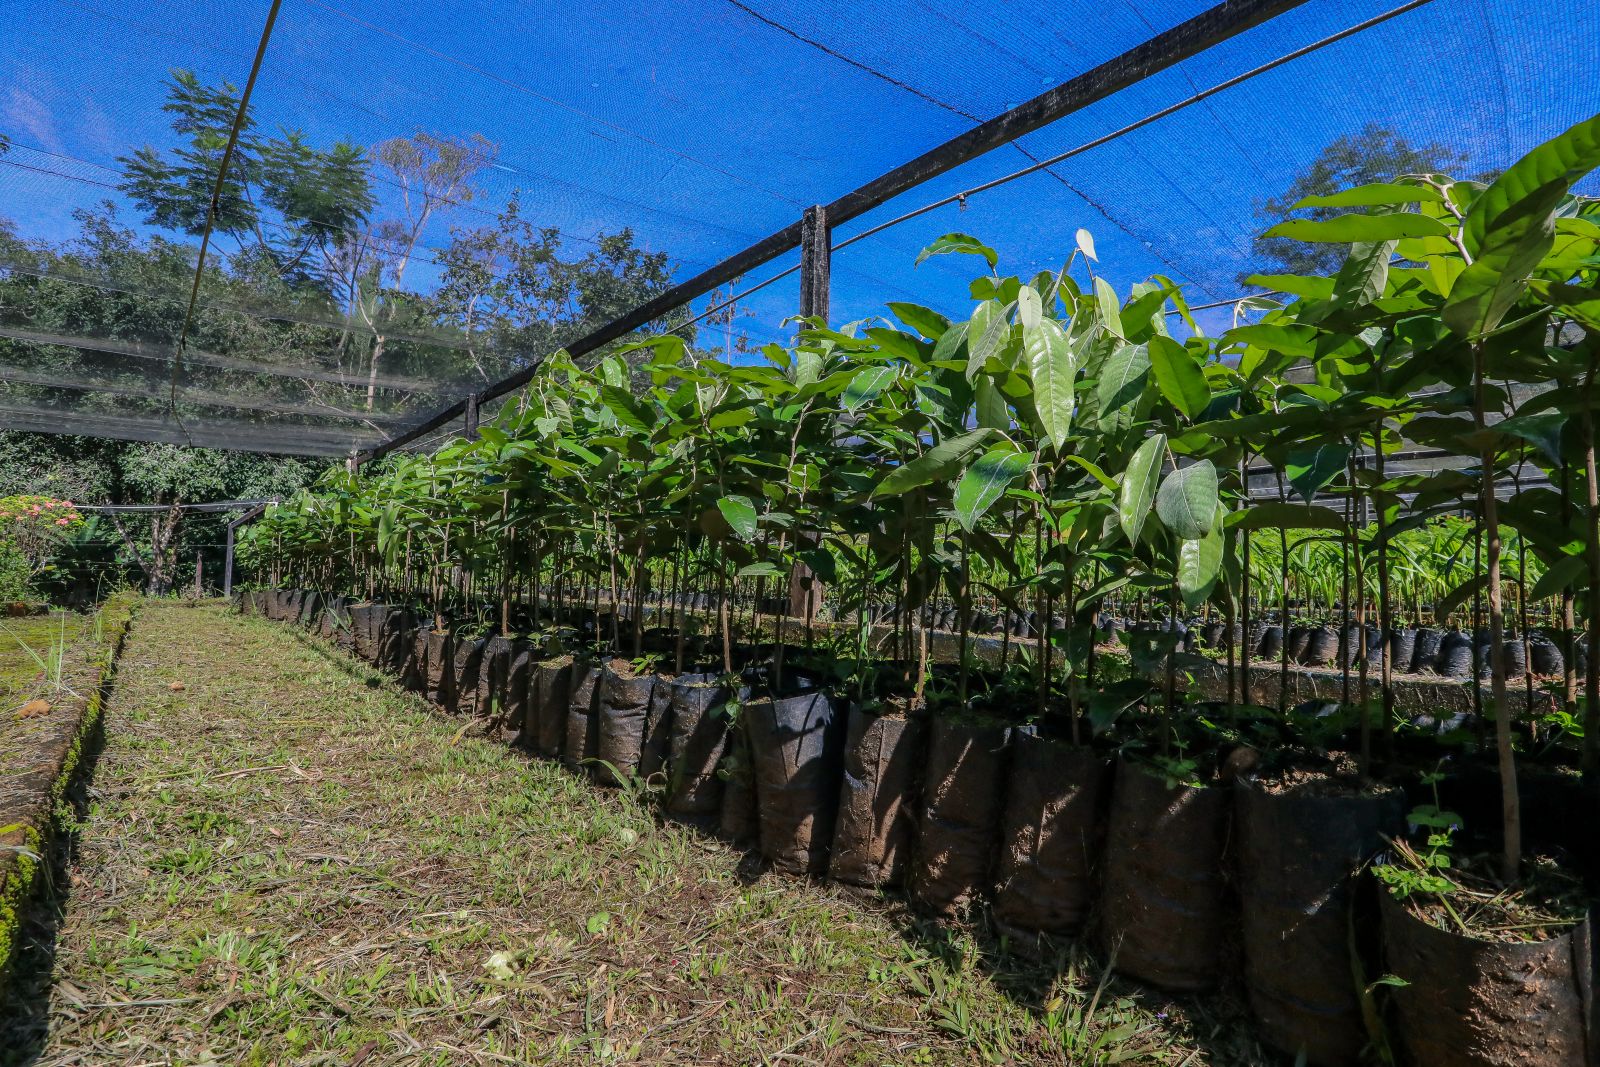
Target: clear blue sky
705	127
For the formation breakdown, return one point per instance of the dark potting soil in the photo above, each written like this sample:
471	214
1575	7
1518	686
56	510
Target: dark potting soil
657	746
1051	835
467	658
963	796
1302	837
798	747
516	692
883	756
493	663
1163	905
441	659
738	822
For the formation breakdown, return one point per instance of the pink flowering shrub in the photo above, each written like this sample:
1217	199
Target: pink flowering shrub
31	528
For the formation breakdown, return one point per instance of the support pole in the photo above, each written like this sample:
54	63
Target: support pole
227	566
199	572
472	416
816	258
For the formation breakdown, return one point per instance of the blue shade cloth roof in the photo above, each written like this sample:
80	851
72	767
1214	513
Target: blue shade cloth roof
702	126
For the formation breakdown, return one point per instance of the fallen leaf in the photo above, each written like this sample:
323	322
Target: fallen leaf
33	709
177	687
501	965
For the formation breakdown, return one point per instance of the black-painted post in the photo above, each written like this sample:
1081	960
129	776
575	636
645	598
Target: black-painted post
472	416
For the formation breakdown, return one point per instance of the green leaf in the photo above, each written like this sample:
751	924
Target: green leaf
1348	229
959	243
1178	376
1110	306
1573	301
992	410
763	569
1123	378
1453	600
1295	284
1199	567
740	514
1363	275
1511	226
986	480
1377	194
1543	431
925	321
1139	485
1187	500
990	325
1569	572
1053	366
866	386
1310	470
1276	514
937	464
628	413
1030	308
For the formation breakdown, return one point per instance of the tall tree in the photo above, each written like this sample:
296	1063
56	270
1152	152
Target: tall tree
1376	154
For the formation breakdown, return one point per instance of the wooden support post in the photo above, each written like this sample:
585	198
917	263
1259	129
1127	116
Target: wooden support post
472	416
227	565
816	257
199	572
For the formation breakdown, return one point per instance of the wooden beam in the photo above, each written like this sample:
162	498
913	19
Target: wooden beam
1211	27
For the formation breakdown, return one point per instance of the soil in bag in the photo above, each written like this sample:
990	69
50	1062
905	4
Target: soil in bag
468	657
515	694
623	710
1050	838
1163	904
441	658
493	663
310	606
548	702
962	803
657	732
1302	839
698	733
798	746
1473	1002
875	828
414	673
583	734
738	822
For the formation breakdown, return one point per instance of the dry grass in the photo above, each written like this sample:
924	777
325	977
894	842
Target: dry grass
288	861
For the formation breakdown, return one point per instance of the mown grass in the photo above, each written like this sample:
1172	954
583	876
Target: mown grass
286	860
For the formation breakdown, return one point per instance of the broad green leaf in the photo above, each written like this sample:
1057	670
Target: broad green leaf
1187	500
1053	366
939	463
1573	301
1123	378
1310	470
740	514
1199	567
1569	572
1094	470
1295	284
986	480
1275	514
1348	229
1178	376
1291	340
866	386
1085	241
1363	275
1110	306
925	321
1511	225
1139	485
1543	431
988	329
1453	600
1378	194
759	570
627	411
992	409
1030	309
959	243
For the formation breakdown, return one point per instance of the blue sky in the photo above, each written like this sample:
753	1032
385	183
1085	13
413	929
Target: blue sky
705	127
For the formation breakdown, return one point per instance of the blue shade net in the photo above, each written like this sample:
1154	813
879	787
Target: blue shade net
427	197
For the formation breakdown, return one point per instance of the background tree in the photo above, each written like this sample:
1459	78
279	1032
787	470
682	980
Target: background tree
1376	154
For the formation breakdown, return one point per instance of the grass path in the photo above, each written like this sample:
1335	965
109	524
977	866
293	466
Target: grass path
286	860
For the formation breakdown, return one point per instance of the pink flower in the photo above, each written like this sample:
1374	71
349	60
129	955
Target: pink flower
62	522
